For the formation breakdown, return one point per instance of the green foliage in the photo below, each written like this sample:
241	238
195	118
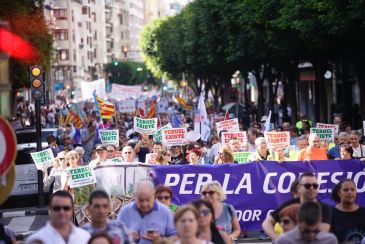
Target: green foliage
26	19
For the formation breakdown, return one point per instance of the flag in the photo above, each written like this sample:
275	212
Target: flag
152	112
105	109
76	120
61	119
175	122
201	125
227	117
267	123
183	103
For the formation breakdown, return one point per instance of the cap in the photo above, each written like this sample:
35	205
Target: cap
100	147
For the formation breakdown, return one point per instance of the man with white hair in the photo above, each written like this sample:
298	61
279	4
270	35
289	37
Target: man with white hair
146	218
128	154
262	153
313	151
343	138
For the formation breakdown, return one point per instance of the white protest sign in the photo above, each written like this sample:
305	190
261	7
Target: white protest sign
336	127
151	158
162	105
128	106
145	126
278	140
88	88
215	119
240	135
327	134
230	125
158	134
174	137
43	158
109	137
81	176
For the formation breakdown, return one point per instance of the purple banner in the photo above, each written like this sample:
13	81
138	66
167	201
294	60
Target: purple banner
255	189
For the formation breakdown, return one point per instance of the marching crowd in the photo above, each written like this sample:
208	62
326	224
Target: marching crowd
153	218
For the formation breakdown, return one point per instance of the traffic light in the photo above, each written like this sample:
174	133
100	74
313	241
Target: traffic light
125	51
36	82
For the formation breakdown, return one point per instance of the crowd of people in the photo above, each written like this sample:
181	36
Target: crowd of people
153	218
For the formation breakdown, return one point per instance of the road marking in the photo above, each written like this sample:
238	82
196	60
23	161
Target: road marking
21	224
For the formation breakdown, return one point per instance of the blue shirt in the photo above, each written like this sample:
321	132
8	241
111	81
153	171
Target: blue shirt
334	152
159	218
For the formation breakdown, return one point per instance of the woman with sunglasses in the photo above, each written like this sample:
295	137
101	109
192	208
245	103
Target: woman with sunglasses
348	223
207	228
288	217
225	214
164	195
54	177
164	157
225	155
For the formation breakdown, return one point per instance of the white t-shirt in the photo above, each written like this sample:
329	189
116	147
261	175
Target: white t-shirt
359	152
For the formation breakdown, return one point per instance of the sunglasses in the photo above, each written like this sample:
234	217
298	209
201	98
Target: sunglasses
58	208
308	186
163	198
61	158
204	212
211	193
285	221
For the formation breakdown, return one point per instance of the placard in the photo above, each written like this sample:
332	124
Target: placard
174	137
278	140
81	176
327	135
128	106
145	126
240	135
230	125
241	157
43	158
151	158
157	136
109	137
324	126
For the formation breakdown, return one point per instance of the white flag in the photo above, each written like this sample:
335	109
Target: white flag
201	120
267	123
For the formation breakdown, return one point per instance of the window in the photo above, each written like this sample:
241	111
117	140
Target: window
60	13
95	35
122	35
84	10
94	16
62	55
61	35
121	19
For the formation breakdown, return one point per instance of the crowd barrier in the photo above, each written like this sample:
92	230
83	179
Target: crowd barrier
254	189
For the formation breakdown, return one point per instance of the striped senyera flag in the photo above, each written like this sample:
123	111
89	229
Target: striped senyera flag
107	109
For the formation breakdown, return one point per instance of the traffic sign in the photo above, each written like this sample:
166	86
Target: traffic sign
8	179
7	146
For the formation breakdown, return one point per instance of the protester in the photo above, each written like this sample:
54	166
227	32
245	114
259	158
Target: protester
347	216
59	229
143	147
129	156
156	147
194	156
313	151
186	222
334	152
346	152
234	144
308	190
54	178
359	150
81	153
110	150
309	227
164	157
288	217
164	195
151	219
99	208
214	140
177	156
225	214
66	144
225	155
101	238
214	150
52	143
101	156
262	152
302	142
89	139
207	228
252	135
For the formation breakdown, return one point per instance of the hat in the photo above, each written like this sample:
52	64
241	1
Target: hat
100	147
263	118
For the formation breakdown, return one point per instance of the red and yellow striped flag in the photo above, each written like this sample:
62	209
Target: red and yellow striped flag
107	109
183	103
152	112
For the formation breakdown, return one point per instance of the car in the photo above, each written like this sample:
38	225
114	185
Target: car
26	176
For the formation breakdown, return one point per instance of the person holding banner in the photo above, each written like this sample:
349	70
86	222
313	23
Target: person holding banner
346	152
194	156
55	176
334	152
234	144
313	151
225	214
359	150
225	155
347	217
143	147
89	138
163	157
262	153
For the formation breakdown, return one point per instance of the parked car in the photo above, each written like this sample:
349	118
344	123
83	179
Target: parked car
26	178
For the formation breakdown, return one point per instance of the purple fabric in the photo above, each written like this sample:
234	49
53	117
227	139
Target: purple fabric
255	188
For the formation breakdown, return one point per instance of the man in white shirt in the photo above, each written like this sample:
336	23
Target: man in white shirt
359	150
60	230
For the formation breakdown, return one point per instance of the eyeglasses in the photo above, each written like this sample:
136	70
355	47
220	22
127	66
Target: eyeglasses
127	152
211	193
204	212
308	186
61	158
163	198
58	208
285	221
